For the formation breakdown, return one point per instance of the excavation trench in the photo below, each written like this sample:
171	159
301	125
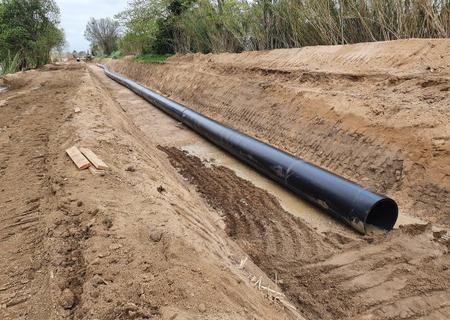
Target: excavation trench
326	270
360	208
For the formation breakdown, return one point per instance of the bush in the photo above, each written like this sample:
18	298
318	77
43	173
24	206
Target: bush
116	54
10	64
152	58
236	25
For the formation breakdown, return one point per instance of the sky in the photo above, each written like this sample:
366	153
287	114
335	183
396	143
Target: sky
76	13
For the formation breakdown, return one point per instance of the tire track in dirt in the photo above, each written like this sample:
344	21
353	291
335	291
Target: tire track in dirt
40	231
29	257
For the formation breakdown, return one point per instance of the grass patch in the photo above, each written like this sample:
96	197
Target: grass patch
152	58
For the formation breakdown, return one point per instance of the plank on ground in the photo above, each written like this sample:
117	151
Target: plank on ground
77	157
93	158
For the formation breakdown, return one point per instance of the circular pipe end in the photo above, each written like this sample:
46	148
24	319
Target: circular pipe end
383	214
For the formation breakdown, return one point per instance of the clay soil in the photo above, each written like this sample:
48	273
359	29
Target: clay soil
167	234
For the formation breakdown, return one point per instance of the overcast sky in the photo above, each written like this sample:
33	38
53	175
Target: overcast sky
76	13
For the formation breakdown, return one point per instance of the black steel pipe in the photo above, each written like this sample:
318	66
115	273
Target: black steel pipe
340	197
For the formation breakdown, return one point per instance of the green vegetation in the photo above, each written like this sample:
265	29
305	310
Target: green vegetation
9	64
28	32
116	54
152	58
169	26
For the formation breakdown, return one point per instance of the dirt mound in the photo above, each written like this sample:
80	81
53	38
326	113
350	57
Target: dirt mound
374	113
400	57
397	277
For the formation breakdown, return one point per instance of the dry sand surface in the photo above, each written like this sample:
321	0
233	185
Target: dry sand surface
175	229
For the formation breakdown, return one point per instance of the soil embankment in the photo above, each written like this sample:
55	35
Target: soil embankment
376	113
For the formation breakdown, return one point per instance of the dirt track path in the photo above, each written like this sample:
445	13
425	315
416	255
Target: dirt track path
166	234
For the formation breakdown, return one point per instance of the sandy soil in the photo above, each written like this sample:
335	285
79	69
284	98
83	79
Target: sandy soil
177	230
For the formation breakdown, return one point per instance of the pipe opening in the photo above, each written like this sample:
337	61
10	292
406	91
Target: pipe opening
383	214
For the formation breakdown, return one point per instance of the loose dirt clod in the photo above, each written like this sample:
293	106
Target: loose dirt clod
107	222
67	300
156	235
202	308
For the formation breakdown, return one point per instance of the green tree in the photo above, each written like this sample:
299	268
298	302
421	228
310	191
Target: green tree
140	25
150	25
28	32
104	33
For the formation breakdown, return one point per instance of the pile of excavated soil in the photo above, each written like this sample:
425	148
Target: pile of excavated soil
376	113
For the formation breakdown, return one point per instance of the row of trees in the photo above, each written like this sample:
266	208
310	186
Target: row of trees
28	32
167	26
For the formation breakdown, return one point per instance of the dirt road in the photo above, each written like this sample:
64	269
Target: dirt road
175	229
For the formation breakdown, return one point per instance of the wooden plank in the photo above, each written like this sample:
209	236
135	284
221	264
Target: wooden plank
80	161
96	161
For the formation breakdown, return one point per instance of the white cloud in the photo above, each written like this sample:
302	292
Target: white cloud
76	13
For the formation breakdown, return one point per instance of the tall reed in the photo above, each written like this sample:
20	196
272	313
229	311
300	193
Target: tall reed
236	25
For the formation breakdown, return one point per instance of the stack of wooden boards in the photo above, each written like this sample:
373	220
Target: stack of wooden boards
84	158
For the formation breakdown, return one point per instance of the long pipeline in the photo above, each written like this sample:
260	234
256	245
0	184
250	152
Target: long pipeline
359	207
